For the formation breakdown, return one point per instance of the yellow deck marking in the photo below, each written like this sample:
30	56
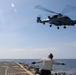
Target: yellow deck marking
25	69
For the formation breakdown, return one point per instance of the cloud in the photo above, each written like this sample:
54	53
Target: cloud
26	53
34	53
45	49
73	44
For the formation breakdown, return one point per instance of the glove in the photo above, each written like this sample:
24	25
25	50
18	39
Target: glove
33	62
63	64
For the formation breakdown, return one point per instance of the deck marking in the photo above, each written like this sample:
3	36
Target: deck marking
25	69
6	70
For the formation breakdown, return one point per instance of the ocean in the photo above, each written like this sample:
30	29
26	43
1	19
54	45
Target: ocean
70	66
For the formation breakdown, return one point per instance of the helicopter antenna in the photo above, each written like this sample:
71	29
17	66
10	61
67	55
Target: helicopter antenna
44	9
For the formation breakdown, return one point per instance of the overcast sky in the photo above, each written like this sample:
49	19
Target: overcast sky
23	38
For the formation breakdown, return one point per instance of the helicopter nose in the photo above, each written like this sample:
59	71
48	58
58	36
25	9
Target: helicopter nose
75	21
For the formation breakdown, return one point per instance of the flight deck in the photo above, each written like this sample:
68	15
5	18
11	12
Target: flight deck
12	68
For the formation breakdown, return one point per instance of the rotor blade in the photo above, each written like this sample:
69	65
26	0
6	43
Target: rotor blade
68	8
39	16
44	9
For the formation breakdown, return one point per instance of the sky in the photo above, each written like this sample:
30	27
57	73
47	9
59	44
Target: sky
21	37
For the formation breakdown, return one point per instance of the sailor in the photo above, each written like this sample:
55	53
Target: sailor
47	64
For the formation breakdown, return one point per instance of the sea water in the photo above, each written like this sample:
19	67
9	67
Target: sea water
70	66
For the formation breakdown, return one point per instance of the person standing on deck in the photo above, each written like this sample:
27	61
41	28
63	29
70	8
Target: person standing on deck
47	64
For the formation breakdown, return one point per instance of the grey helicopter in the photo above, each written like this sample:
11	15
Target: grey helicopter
58	19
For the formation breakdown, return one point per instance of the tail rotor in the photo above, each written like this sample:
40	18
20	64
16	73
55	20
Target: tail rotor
38	19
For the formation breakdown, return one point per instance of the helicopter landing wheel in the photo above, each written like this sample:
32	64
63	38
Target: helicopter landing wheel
64	27
44	23
57	27
50	25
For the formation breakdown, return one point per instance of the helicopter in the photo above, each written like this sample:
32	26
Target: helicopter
58	19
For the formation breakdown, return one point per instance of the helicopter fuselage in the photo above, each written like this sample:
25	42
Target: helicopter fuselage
58	21
62	21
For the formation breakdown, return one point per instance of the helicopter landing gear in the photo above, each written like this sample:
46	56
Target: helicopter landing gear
44	23
64	27
50	25
57	27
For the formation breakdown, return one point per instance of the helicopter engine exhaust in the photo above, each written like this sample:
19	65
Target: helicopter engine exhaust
38	20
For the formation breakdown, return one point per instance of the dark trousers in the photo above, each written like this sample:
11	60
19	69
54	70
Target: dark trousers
45	72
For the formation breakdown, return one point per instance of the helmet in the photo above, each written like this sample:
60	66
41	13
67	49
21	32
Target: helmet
50	55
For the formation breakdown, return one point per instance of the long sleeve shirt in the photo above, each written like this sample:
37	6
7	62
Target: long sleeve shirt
47	63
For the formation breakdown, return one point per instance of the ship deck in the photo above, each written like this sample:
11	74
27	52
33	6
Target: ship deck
13	68
18	68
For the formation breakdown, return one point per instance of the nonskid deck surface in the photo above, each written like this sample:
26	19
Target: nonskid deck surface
12	68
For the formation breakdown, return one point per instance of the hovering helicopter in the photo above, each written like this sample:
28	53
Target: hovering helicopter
58	19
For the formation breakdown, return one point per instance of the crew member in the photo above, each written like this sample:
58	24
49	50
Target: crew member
47	64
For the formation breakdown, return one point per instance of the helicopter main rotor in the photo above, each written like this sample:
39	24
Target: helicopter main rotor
45	9
67	9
